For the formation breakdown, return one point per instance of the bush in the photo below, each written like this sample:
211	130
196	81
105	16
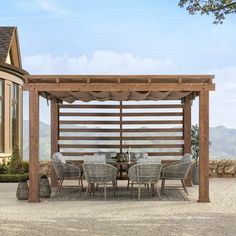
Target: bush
13	177
15	166
25	166
4	168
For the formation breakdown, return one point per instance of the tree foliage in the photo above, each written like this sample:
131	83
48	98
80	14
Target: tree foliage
15	165
195	143
219	8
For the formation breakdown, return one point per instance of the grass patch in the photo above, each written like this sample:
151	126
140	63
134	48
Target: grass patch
13	178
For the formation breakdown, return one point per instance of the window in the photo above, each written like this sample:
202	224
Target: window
15	113
1	117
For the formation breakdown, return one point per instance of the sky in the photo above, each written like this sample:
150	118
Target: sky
126	37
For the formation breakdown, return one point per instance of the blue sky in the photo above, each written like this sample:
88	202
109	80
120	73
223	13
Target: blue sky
127	37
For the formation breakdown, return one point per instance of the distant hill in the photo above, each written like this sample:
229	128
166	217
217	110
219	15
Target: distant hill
223	142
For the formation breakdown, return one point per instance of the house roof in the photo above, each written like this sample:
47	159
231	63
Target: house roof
9	44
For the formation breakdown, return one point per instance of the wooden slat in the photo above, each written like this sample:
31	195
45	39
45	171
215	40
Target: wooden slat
118	130
121	77
118	138
123	146
88	122
50	87
77	153
148	106
124	114
165	153
130	122
149	153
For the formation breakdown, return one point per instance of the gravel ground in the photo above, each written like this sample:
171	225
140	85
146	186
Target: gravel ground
122	217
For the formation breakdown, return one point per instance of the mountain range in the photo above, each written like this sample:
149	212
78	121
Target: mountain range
223	142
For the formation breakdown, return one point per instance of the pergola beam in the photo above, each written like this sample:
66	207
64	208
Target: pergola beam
111	87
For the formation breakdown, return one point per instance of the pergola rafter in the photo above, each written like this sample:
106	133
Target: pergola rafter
68	88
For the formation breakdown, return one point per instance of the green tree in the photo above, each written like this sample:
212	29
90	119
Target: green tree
219	8
195	143
15	165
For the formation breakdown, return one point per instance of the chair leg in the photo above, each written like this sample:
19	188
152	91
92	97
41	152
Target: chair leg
158	192
128	184
82	186
80	183
93	188
114	188
87	190
60	185
152	189
162	185
184	186
105	192
132	188
139	191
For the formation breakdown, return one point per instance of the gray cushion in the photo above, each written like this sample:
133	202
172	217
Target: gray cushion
58	157
186	157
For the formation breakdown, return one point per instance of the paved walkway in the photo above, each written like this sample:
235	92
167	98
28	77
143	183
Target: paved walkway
122	217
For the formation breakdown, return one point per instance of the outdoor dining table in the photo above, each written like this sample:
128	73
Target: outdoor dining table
122	168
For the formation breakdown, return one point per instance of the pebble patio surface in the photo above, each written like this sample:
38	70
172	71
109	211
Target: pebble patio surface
122	217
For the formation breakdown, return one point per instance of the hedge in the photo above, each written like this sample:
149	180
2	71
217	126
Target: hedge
14	177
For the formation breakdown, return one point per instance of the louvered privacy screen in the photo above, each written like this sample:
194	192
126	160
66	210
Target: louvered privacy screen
86	128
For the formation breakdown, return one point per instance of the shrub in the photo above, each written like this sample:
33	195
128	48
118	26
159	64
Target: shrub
25	166
15	166
14	177
4	168
195	143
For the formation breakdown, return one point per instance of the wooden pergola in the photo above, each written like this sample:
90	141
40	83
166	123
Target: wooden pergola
64	89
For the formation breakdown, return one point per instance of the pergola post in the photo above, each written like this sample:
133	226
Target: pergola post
33	146
187	133
54	136
204	146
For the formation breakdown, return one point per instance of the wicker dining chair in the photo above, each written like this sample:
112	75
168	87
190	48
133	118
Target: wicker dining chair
99	173
177	171
148	173
65	171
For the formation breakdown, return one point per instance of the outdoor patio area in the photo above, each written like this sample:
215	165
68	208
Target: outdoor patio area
116	217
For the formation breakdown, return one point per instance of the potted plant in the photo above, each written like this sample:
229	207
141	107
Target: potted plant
195	153
44	187
22	191
16	172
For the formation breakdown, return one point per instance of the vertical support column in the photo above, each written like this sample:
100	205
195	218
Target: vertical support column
187	133
121	134
54	136
33	146
7	118
20	120
204	147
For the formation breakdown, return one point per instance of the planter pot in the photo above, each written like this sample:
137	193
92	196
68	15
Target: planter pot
22	192
44	188
195	174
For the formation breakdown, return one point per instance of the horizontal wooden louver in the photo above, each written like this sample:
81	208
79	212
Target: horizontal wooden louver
88	128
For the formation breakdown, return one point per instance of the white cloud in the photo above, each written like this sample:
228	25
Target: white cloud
48	6
222	101
52	7
101	62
